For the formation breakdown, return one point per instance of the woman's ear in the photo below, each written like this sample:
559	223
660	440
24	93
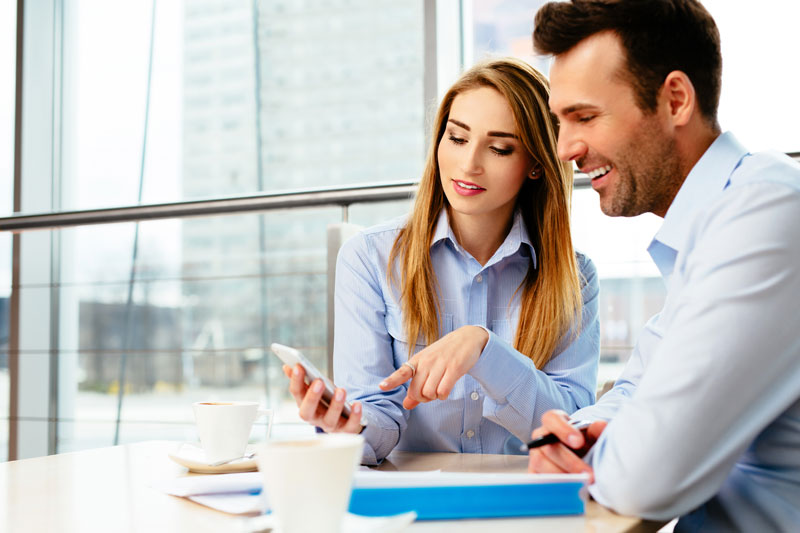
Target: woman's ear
535	172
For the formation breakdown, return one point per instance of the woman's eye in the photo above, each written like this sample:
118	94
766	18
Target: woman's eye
457	140
586	118
502	151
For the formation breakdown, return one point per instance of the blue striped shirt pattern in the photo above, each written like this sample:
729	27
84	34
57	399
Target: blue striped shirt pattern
497	404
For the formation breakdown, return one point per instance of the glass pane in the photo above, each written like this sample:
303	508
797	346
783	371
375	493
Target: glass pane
759	83
8	47
631	288
504	27
244	96
8	51
208	296
370	214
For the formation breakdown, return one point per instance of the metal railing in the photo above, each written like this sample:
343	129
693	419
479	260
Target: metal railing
343	196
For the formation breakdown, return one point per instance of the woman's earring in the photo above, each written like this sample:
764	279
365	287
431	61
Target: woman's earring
533	173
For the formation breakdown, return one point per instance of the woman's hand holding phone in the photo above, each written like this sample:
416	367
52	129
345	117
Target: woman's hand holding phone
314	411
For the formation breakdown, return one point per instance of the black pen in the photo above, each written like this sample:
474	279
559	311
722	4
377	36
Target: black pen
550	438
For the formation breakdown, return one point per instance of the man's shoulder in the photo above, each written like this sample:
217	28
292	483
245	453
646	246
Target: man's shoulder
761	203
768	168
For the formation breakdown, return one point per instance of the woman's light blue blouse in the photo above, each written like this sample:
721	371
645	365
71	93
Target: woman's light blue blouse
498	403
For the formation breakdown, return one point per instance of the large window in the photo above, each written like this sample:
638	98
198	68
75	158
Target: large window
126	324
8	47
122	326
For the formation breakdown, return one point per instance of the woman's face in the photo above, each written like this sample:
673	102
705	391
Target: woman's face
482	162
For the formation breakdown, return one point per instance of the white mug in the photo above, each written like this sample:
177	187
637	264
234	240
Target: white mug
224	427
308	482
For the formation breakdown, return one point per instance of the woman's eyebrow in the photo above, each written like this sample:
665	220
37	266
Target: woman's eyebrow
458	123
501	134
490	134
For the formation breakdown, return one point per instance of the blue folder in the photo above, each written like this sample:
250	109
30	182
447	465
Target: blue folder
471	501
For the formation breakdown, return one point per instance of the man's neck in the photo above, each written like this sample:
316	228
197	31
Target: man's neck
693	142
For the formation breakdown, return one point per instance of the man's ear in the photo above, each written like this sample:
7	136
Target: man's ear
678	95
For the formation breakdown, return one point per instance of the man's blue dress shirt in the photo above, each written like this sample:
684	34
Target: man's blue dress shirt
497	404
706	414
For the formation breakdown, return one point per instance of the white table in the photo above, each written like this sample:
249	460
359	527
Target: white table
108	489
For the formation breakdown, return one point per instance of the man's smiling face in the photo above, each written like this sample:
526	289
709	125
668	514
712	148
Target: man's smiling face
626	151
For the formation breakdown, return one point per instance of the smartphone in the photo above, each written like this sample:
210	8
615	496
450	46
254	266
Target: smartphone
292	357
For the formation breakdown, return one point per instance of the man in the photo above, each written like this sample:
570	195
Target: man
704	421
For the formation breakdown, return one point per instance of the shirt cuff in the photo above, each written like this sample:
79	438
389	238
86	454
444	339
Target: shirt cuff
499	361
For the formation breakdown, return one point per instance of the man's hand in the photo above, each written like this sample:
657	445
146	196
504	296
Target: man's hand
313	411
439	366
564	457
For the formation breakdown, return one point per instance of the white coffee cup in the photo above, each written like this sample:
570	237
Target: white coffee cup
224	427
308	482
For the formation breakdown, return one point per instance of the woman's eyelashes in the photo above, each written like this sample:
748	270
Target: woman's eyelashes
501	151
497	150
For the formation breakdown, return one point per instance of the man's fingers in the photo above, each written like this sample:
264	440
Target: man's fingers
564	458
557	423
594	431
539	463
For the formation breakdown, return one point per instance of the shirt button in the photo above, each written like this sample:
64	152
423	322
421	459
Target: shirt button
474	395
470	434
478	278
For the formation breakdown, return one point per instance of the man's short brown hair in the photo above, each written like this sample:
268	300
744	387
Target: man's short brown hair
657	36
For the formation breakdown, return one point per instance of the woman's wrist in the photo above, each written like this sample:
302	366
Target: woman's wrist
482	336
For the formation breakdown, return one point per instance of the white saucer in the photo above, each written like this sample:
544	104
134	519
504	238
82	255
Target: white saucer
194	458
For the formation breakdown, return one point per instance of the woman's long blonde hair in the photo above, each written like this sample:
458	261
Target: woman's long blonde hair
551	292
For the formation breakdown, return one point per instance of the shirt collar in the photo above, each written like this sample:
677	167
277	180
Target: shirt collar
707	179
517	236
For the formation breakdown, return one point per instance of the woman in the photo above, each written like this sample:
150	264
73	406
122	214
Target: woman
457	327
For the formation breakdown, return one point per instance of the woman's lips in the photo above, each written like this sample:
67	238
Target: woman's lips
466	188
